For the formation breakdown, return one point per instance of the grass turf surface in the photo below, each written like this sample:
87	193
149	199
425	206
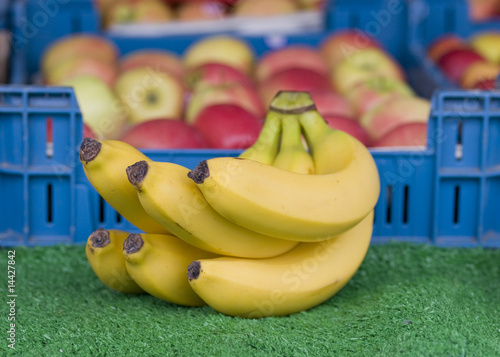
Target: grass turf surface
406	299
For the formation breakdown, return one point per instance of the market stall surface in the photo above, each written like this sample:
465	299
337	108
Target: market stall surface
405	300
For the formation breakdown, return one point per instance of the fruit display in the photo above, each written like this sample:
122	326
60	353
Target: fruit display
115	12
220	89
484	10
277	230
472	63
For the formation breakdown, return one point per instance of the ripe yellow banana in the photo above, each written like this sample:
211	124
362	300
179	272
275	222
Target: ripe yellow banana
173	199
158	263
306	276
104	253
266	146
293	206
104	163
292	154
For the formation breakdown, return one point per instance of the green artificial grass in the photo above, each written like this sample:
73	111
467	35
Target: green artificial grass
406	300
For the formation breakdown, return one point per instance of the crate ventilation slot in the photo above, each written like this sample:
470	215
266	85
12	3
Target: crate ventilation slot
101	210
388	212
456	203
50	204
459	148
406	204
49	138
118	218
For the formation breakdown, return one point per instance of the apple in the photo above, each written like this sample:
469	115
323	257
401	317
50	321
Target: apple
88	133
339	45
265	7
164	134
228	126
482	10
147	94
98	104
196	11
312	4
348	125
454	63
136	11
382	119
245	96
224	49
364	64
479	72
160	60
487	44
408	134
490	84
374	91
293	79
210	74
330	103
79	45
292	56
73	67
444	44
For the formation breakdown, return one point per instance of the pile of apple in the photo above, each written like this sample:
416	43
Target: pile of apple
470	64
161	11
484	10
216	94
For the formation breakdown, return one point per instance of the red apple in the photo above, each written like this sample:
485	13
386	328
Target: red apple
293	79
200	10
408	134
341	44
479	72
482	10
245	96
331	103
213	74
443	44
88	133
382	119
350	126
265	7
293	56
486	85
159	60
455	62
228	126
164	134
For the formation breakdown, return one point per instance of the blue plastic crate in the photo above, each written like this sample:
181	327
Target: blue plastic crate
427	20
446	194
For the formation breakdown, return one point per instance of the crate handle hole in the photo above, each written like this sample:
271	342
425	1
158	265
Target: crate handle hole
459	149
118	218
388	212
101	210
50	204
456	205
406	205
49	138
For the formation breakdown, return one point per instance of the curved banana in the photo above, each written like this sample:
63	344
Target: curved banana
104	163
158	263
265	148
293	206
104	253
292	155
173	199
306	276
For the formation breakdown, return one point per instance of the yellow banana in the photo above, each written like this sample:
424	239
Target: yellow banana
292	154
173	199
266	146
104	253
306	276
293	206
104	163
158	263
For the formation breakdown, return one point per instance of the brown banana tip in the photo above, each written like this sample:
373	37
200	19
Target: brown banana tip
89	149
200	172
100	238
299	110
194	270
133	243
137	172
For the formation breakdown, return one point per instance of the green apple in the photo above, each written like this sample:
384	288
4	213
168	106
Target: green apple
99	106
147	94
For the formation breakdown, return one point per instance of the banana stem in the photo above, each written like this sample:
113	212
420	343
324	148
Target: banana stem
100	238
292	135
89	149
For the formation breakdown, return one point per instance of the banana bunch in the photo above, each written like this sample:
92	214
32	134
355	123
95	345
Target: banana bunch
275	231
